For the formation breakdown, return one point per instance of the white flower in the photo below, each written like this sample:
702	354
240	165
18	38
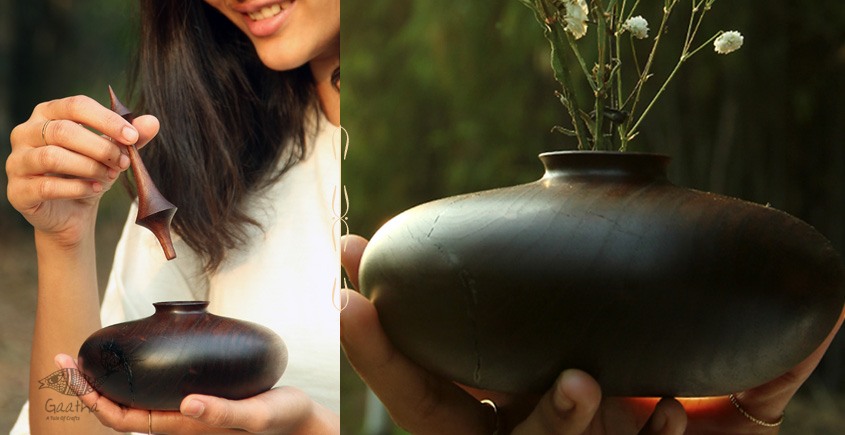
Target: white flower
728	42
638	27
576	17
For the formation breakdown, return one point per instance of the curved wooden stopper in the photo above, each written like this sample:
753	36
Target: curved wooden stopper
154	211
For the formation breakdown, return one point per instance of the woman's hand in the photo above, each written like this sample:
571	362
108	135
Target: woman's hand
765	403
418	400
284	410
425	404
58	171
59	168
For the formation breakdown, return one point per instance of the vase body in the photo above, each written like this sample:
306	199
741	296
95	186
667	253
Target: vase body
153	363
605	266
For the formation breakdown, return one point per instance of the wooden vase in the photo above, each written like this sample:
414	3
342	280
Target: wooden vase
153	363
603	265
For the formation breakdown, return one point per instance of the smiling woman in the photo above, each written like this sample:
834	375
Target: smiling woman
260	23
241	141
269	11
307	29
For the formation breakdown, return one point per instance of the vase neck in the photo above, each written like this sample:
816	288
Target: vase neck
181	307
601	164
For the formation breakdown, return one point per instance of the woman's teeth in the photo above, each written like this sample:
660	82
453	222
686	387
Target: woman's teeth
268	11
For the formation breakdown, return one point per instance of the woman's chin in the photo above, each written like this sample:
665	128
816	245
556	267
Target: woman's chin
280	62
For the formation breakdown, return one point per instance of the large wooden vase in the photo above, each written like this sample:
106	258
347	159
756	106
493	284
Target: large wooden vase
153	363
603	265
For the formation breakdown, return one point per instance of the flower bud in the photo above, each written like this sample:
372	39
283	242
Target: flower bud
638	27
728	42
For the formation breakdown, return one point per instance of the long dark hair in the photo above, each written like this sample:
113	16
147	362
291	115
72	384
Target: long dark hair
229	125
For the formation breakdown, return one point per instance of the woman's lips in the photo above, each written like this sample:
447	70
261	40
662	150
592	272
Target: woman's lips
268	19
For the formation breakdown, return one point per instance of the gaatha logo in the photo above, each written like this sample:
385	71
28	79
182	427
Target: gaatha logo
70	382
68	407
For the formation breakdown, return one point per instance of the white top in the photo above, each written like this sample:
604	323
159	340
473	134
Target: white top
284	278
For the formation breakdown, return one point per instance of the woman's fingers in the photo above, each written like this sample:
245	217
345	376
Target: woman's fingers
418	401
768	401
252	415
85	110
574	406
56	160
668	418
52	188
109	413
55	156
123	419
352	247
147	126
52	172
72	136
277	409
567	409
67	123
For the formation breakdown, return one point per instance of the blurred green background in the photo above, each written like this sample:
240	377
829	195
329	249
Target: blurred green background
450	97
445	97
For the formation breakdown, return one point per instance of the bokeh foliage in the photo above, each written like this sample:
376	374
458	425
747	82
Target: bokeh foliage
442	98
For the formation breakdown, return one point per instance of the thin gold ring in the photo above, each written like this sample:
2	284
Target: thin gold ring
754	419
150	427
44	130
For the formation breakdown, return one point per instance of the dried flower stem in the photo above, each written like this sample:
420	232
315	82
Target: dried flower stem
577	53
566	21
627	133
547	15
686	53
600	93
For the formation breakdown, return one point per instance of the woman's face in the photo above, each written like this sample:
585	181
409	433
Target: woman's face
287	33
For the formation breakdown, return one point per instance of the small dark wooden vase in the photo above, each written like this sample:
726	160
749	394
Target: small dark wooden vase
153	363
603	265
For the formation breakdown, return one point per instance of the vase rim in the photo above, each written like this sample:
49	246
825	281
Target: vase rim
180	306
644	166
603	153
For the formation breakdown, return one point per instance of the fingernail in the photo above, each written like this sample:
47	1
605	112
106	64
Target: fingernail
194	408
112	174
129	134
658	421
97	187
123	161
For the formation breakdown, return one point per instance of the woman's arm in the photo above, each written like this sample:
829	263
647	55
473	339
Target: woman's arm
58	171
767	402
67	311
423	403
